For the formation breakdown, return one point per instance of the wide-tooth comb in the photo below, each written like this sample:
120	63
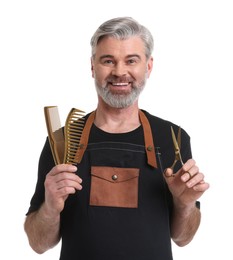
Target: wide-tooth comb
73	131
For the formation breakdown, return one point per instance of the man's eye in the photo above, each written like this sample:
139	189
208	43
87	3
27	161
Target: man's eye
108	62
131	61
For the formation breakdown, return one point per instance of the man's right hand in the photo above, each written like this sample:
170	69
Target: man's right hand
59	183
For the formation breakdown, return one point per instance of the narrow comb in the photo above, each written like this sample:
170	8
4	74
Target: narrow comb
55	133
73	130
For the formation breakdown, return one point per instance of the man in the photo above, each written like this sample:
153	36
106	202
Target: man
118	202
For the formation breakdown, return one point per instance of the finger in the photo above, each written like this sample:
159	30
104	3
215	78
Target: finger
68	176
202	186
198	178
187	176
189	173
189	164
67	179
69	184
168	172
63	168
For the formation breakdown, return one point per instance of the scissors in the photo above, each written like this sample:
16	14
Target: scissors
176	145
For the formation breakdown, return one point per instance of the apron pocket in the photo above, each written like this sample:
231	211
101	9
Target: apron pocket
114	187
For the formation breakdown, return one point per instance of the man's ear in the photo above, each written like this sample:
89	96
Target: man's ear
92	68
149	66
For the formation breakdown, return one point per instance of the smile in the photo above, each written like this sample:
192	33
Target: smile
120	84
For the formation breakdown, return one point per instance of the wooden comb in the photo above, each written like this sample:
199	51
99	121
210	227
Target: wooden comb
55	133
73	131
64	143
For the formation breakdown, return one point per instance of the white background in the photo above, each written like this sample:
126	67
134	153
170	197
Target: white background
45	60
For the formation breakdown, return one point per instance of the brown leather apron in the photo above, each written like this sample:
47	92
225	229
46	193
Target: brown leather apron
116	185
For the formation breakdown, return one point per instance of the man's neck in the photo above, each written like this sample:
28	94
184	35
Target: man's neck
115	120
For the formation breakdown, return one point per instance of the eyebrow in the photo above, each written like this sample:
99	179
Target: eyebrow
112	57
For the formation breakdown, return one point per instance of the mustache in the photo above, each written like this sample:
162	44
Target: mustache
123	79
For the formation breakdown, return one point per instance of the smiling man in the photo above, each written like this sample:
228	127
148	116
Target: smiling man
118	203
120	69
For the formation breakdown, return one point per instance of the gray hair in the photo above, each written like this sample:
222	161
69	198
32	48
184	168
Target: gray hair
123	28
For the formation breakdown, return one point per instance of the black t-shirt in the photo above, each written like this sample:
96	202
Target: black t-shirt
100	232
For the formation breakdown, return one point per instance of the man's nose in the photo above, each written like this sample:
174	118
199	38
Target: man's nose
120	69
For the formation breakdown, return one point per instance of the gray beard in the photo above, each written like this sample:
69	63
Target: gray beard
119	100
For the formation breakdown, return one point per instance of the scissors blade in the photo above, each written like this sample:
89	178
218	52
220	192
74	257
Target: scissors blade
176	146
179	138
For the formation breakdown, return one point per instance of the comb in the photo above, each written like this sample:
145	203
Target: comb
73	131
55	133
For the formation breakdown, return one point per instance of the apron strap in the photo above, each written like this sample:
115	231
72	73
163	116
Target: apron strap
148	138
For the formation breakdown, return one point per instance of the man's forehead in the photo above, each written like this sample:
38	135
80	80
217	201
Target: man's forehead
132	46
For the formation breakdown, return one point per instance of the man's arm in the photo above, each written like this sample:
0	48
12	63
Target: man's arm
42	229
43	226
186	186
185	223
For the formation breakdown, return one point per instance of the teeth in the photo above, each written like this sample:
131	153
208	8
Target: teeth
120	84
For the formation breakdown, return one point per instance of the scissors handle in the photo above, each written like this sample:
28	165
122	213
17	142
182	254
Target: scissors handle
177	159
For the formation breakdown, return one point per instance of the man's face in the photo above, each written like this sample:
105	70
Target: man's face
120	70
